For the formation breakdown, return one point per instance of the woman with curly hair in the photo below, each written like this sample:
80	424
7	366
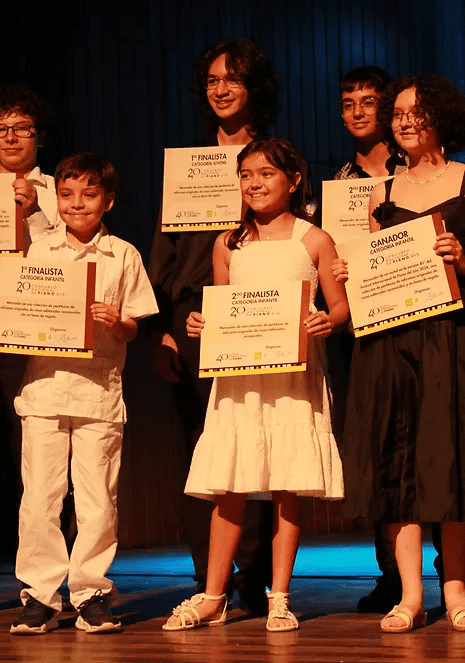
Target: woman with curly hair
404	437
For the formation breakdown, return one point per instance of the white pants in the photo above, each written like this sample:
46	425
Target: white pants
42	561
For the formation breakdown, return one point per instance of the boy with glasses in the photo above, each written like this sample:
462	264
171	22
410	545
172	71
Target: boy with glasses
22	132
360	91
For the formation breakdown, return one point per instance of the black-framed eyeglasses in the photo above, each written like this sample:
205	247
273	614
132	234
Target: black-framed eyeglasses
19	130
368	105
230	81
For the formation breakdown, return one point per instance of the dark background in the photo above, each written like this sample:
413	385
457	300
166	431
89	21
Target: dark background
119	76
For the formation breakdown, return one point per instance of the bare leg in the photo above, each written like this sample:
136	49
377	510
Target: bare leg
453	550
286	534
406	539
225	530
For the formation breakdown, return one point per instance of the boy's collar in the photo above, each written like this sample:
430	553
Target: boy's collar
101	240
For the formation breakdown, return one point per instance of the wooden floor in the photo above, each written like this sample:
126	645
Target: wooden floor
330	629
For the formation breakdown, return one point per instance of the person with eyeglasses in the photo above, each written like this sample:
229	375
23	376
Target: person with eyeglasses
23	117
361	89
404	438
22	133
237	91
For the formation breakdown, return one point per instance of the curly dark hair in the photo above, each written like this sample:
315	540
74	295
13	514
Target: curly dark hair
99	171
281	154
439	103
361	77
17	97
245	59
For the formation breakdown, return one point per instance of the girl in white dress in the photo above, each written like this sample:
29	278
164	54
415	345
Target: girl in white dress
267	433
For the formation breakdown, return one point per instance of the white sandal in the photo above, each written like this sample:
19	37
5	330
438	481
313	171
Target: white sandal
189	616
280	609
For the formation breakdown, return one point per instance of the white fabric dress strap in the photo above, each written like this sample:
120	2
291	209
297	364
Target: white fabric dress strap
301	228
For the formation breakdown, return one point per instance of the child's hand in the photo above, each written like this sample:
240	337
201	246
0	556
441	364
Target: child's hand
318	324
340	271
108	315
26	196
194	324
449	248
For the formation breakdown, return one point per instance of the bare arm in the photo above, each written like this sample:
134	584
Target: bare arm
221	257
221	260
321	248
377	197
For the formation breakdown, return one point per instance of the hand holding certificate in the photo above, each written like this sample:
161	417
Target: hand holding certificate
254	329
201	189
396	277
45	307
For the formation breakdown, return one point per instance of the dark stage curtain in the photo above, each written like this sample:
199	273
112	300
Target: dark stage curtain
119	76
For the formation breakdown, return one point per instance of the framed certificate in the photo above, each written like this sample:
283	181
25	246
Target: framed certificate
201	189
45	307
345	206
254	329
11	218
395	276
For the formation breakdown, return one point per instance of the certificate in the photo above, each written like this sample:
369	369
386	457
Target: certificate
256	329
11	218
45	307
345	206
395	276
201	189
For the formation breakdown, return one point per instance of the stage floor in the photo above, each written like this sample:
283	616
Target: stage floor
151	582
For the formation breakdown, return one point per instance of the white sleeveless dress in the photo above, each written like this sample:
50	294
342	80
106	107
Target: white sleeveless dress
270	432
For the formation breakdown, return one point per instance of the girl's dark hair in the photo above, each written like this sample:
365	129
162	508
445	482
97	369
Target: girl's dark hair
281	154
361	77
440	104
98	170
243	59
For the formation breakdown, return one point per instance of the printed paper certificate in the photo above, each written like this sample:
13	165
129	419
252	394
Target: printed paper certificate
255	329
395	276
345	206
45	307
11	218
201	189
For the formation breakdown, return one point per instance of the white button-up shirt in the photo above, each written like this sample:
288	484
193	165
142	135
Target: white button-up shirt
89	387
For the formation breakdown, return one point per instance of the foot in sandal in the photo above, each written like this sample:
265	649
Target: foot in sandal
199	610
280	618
402	619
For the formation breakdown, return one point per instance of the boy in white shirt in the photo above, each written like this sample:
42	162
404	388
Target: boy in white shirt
73	405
